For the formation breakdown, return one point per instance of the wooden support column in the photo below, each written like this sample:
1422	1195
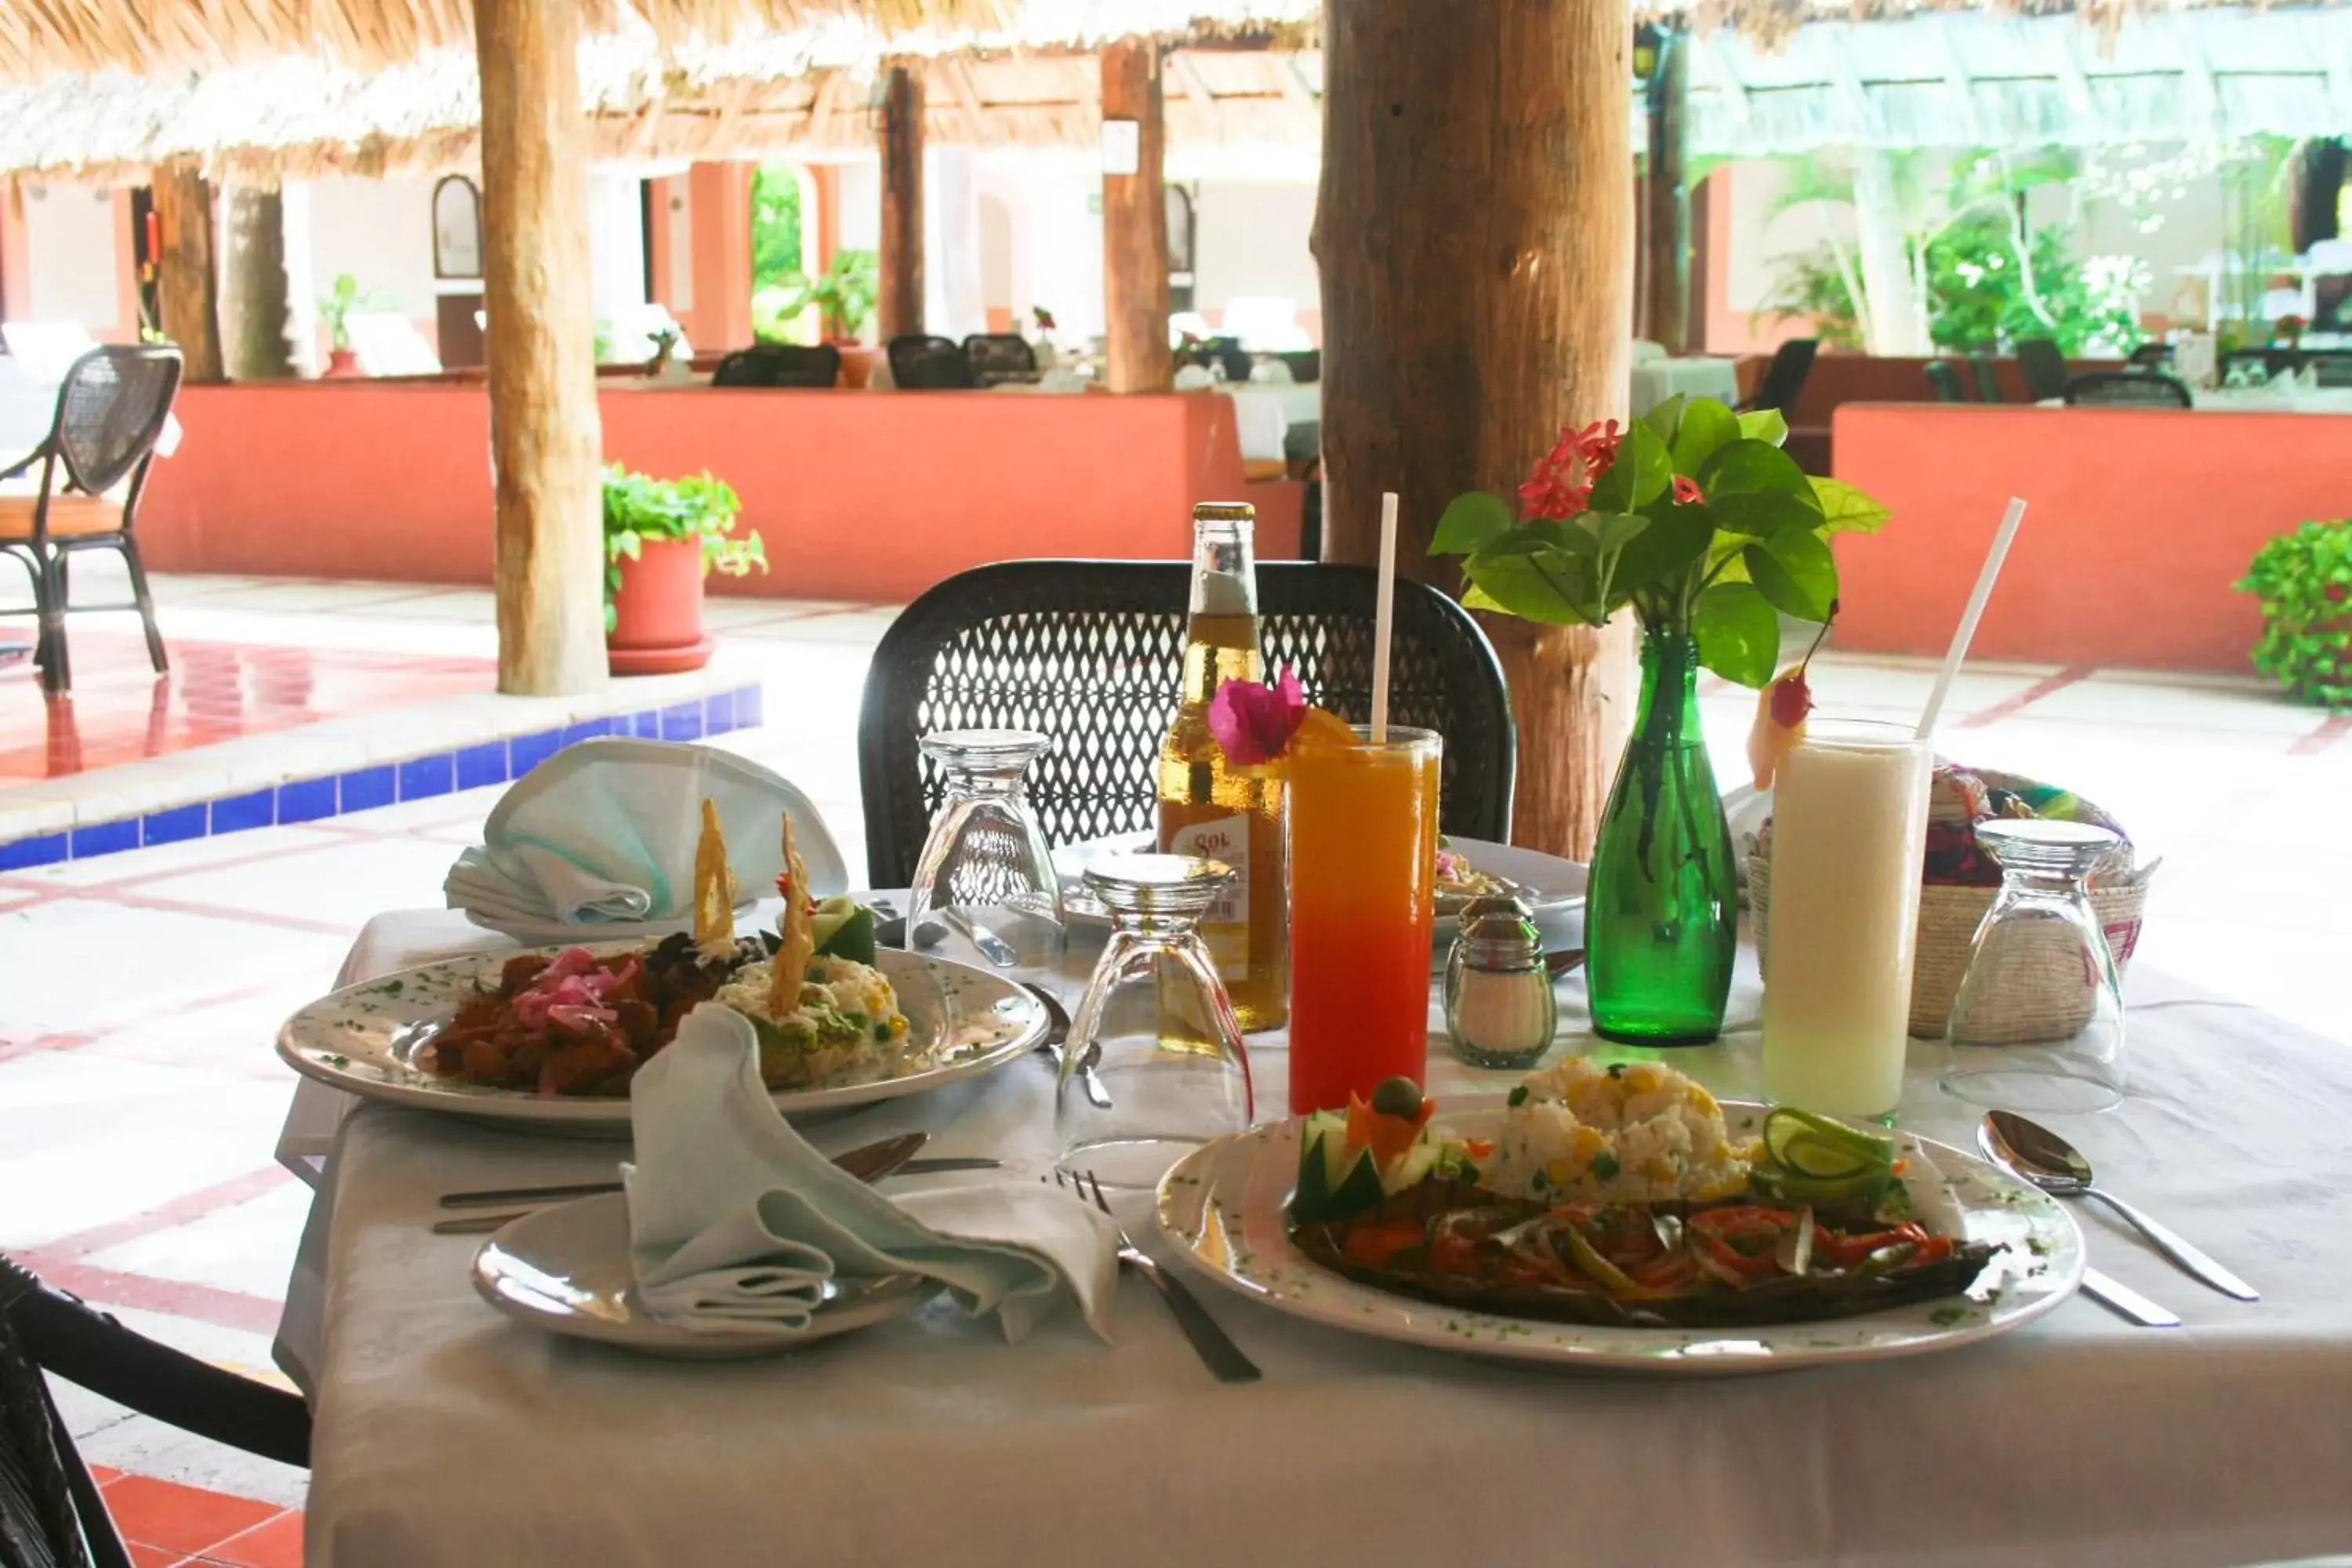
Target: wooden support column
898	295
187	282
1666	192
255	316
545	439
1474	234
1135	225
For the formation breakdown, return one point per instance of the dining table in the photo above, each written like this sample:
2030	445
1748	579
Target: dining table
446	1434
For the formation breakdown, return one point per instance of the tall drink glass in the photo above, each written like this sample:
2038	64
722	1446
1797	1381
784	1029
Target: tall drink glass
1363	853
1849	835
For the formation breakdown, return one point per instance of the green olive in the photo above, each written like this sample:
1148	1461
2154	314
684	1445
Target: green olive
1399	1095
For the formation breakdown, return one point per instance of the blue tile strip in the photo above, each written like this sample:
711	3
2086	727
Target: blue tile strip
360	789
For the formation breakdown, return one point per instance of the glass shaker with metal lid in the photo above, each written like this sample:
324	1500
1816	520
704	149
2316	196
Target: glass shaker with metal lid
1499	1007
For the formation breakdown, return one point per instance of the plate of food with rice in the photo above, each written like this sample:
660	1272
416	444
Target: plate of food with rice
1621	1217
551	1036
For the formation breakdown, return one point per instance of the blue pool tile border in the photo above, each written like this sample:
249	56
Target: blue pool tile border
421	777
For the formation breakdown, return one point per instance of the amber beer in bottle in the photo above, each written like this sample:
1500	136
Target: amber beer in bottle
1209	808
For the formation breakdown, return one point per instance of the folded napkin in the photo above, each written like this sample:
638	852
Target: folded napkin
735	1223
603	833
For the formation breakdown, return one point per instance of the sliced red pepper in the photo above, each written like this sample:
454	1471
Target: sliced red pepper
1373	1246
1742	1237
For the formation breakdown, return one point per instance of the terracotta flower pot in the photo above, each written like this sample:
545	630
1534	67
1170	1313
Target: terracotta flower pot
343	361
657	611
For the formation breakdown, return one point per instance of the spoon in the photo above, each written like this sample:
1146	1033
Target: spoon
2032	1152
1057	1029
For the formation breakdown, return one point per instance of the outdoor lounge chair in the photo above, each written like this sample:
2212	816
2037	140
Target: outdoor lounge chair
111	409
50	1509
1088	652
780	364
921	361
1784	378
2144	389
1945	381
1000	356
2044	368
1988	379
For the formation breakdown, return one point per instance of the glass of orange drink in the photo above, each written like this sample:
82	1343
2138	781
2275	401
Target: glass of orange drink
1363	853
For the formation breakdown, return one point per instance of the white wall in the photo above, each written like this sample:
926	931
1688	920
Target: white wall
379	231
617	243
71	263
1251	239
861	204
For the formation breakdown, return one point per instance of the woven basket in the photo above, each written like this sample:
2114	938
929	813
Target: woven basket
2044	998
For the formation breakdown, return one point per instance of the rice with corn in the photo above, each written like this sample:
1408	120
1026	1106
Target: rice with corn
1628	1133
846	1030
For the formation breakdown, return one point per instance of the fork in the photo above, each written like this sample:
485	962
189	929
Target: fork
1216	1351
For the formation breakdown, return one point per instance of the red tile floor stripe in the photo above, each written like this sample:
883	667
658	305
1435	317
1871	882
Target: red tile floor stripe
180	1299
2332	730
183	1520
2019	701
185	1209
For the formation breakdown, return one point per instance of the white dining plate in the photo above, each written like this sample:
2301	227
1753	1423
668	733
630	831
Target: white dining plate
1553	887
557	933
1225	1207
366	1039
566	1269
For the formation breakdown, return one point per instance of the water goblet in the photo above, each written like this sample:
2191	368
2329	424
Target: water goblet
986	870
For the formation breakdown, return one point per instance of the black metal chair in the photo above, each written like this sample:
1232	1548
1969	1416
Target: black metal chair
921	361
2143	389
1784	378
1945	381
1000	356
2331	370
2043	367
2149	355
780	364
50	1509
1988	379
111	409
2268	362
1306	365
1089	652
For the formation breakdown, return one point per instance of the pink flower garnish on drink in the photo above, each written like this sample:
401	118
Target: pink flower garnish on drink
1252	723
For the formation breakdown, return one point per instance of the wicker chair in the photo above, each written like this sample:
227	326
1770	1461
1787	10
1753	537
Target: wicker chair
111	409
1088	652
51	1515
2129	388
1785	377
2043	367
921	361
1000	356
780	364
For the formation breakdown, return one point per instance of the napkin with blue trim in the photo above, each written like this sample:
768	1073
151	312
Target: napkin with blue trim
735	1223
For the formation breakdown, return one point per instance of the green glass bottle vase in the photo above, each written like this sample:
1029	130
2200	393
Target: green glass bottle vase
1662	914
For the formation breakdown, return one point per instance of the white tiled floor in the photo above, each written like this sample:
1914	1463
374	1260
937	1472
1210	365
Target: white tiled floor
141	991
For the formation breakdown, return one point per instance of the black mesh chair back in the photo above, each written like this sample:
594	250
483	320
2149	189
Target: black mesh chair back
1988	379
780	364
2129	388
111	407
1784	378
1090	652
1306	365
1945	381
2043	367
922	360
1000	356
2148	356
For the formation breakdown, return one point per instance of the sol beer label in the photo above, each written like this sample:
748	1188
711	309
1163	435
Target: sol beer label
1224	930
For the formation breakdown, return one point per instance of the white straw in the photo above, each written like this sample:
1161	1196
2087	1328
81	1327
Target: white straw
1969	616
1384	617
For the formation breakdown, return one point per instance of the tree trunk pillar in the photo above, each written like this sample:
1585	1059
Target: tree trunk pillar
256	310
1475	235
1666	204
544	434
1135	225
899	294
187	282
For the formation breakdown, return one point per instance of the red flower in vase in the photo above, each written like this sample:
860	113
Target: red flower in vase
1560	484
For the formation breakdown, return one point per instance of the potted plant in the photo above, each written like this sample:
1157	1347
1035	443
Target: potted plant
844	295
1696	520
335	308
661	537
2303	583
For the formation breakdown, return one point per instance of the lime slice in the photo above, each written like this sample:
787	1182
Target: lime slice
842	928
1814	1146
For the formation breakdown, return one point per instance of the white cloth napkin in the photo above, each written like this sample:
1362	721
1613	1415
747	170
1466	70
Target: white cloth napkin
735	1223
603	833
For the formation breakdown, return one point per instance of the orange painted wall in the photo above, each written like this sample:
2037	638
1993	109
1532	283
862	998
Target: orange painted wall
719	206
864	496
2140	520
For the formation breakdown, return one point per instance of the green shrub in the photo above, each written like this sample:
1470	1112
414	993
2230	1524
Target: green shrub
2303	580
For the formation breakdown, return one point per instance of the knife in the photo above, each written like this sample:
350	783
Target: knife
2125	1302
991	946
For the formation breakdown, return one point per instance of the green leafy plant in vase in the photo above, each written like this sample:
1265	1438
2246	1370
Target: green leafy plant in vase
661	537
336	306
1696	520
2304	582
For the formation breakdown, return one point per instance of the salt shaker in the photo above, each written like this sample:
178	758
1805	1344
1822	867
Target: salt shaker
1499	1007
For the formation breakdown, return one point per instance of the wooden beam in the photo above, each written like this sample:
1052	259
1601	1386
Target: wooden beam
1135	225
255	316
1473	233
1666	208
187	283
899	298
545	439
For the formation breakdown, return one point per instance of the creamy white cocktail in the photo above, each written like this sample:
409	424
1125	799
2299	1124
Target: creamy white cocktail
1849	833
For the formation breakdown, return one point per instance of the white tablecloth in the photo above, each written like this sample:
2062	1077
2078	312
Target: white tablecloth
1265	414
1656	380
445	1434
